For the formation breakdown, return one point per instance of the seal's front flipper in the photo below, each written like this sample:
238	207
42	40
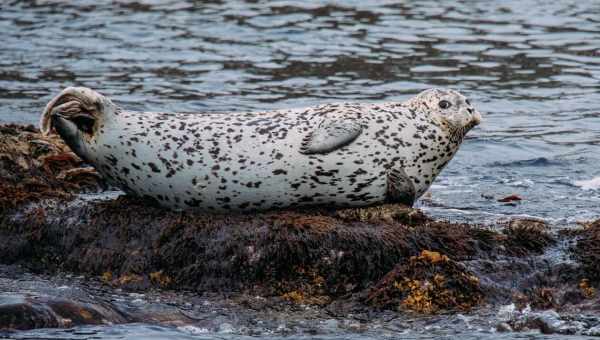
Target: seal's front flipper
330	135
400	188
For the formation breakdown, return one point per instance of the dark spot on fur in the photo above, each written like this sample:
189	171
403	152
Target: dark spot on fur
153	167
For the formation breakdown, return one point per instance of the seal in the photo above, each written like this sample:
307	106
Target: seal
343	155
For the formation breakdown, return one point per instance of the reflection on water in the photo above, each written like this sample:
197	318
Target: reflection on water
532	68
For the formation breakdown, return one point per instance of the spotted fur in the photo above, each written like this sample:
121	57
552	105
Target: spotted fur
262	160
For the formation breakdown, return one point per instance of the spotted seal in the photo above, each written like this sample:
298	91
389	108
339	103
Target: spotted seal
347	154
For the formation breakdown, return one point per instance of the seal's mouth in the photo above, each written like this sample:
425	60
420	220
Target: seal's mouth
459	132
476	119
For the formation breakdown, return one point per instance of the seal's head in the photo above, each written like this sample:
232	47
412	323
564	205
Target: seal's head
77	114
449	107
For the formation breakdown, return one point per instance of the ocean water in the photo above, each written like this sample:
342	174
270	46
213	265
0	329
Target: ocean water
141	331
531	67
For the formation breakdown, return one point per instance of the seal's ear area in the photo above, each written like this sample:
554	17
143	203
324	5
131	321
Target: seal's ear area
331	134
81	105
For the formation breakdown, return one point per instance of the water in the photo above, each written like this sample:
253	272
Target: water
140	331
532	68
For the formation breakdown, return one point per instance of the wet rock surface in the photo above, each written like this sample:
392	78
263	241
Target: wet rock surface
318	263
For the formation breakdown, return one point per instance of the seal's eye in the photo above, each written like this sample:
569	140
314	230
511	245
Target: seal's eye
444	104
468	102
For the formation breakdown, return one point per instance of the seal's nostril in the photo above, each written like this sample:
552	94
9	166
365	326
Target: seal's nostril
470	110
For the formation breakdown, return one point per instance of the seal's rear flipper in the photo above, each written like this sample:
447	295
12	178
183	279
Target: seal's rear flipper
81	105
400	188
330	135
67	95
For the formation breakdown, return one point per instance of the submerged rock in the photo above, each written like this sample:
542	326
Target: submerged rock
49	312
547	322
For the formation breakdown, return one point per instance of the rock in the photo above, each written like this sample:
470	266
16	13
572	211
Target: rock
307	256
503	327
23	312
225	328
593	331
547	322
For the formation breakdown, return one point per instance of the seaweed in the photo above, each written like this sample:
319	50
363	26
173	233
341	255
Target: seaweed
428	283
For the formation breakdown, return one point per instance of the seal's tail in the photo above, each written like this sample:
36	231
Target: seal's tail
72	101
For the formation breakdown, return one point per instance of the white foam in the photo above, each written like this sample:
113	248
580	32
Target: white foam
591	184
193	330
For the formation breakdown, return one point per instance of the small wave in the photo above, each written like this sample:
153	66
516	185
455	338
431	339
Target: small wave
592	184
193	330
539	161
524	183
